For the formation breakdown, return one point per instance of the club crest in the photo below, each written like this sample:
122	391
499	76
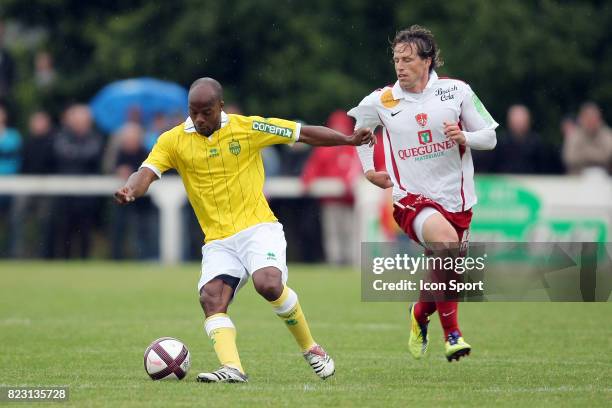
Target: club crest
421	119
234	147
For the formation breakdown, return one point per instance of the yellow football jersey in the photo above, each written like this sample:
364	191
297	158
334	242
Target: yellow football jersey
223	174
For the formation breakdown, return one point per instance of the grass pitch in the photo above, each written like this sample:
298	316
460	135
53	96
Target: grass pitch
86	325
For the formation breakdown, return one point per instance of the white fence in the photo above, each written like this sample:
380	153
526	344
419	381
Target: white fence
577	203
168	194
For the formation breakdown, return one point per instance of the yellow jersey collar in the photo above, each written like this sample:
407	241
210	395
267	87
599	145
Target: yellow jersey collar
190	128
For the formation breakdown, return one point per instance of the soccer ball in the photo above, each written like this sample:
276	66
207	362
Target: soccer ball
167	359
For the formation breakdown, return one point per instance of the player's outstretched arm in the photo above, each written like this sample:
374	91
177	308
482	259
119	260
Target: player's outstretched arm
323	136
136	186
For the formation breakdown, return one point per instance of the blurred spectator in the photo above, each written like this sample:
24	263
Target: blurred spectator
175	119
590	144
568	125
111	151
36	157
77	150
300	215
7	69
133	224
342	162
44	72
10	162
293	158
77	146
33	213
10	146
159	125
131	152
484	160
134	115
519	149
271	161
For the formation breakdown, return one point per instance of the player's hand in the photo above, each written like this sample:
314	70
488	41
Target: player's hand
453	132
379	178
124	195
362	136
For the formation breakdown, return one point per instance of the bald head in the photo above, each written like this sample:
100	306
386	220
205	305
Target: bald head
205	105
208	86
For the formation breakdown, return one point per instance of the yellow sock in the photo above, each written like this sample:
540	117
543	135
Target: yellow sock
287	307
222	332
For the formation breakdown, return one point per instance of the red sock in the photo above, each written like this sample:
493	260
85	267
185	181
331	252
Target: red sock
422	310
448	317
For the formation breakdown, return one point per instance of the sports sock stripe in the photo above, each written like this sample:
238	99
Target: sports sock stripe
218	322
288	304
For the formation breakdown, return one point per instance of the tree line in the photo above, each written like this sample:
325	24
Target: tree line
303	60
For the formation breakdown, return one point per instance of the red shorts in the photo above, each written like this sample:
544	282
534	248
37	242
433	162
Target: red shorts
414	203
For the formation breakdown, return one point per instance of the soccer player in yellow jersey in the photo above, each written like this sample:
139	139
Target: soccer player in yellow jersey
218	158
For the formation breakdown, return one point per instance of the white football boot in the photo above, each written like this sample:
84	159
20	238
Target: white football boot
224	374
320	361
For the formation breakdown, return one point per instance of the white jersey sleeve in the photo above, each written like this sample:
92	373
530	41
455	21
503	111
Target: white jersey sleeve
366	156
366	116
474	116
478	124
484	139
365	113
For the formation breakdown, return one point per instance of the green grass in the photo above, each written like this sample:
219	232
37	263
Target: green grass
86	325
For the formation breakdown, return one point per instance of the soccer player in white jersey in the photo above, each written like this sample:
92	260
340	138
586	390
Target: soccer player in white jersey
430	126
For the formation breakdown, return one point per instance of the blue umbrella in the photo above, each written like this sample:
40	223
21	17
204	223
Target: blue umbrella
150	96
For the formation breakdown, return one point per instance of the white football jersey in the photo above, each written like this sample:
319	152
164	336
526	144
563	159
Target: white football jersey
420	159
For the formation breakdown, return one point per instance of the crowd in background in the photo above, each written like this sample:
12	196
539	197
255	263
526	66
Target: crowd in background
73	146
586	143
70	144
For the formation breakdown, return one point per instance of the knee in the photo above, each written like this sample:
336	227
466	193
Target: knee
446	240
450	238
212	302
270	290
268	283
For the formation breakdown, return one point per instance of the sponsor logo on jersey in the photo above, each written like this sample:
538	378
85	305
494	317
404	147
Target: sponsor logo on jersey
234	147
446	94
428	150
387	99
424	136
272	129
421	119
271	256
